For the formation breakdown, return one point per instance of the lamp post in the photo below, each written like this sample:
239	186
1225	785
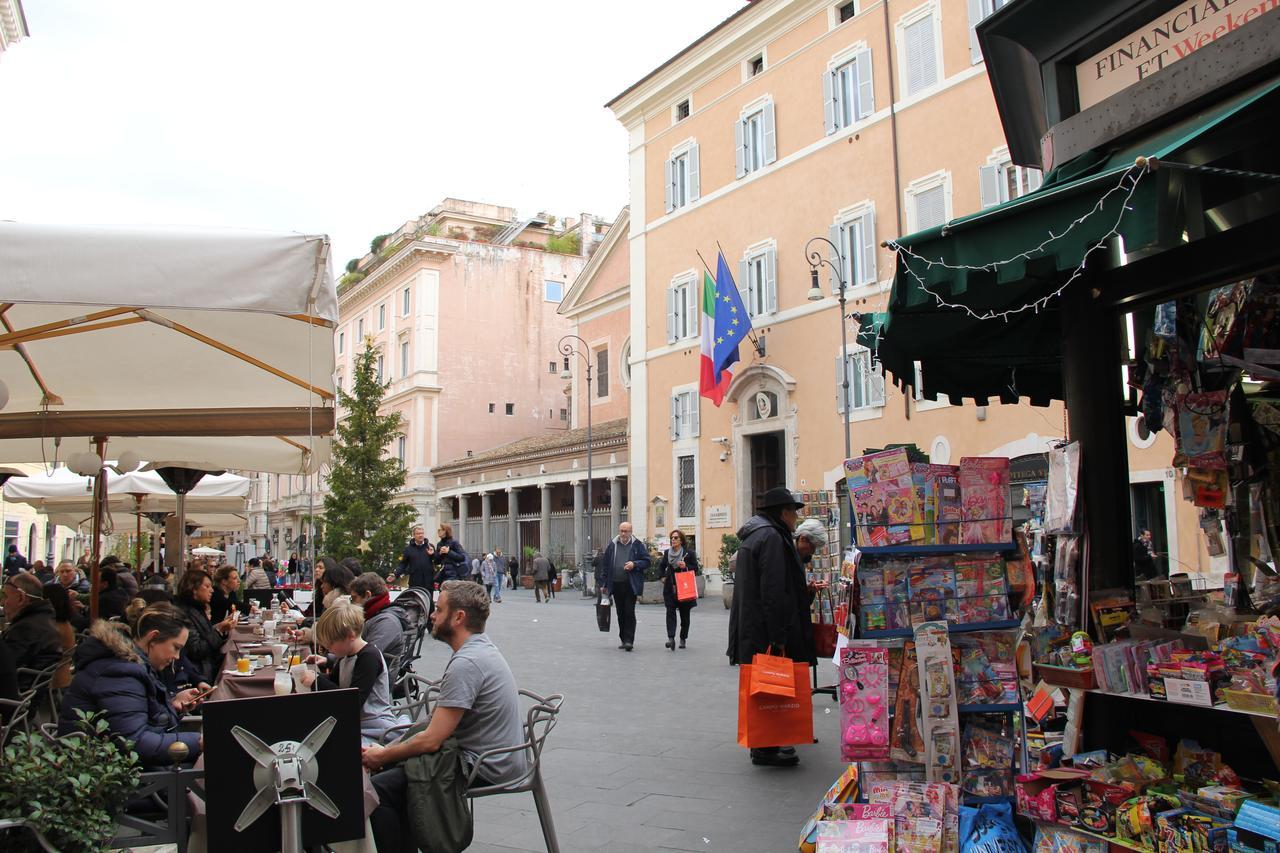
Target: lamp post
568	347
815	295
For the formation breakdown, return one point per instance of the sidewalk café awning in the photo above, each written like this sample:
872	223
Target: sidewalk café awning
989	263
171	343
65	491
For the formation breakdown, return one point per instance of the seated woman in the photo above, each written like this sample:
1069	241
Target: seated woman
203	652
358	664
118	677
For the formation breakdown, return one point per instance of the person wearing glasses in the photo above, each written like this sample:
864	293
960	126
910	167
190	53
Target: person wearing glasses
31	636
677	558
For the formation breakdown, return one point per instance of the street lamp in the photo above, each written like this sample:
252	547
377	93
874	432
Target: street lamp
815	295
582	350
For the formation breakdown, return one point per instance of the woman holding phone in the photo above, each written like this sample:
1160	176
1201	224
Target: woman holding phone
675	559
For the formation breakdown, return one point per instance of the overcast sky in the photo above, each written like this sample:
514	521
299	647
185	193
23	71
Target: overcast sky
336	117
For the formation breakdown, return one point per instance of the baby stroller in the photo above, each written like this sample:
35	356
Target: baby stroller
413	608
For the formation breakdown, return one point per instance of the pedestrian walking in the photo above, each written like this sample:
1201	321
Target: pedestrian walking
476	573
488	571
551	579
450	557
416	560
676	559
499	577
541	572
14	562
622	576
771	598
513	570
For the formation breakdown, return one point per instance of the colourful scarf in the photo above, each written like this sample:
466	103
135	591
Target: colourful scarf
376	604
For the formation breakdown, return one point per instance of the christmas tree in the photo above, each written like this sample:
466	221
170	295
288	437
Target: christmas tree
361	517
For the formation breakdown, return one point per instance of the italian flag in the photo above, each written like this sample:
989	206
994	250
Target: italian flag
708	387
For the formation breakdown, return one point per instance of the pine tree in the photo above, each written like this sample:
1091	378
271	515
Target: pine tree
364	478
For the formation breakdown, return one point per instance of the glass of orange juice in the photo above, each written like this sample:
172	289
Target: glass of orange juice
242	665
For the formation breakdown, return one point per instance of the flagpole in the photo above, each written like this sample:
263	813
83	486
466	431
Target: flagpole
751	332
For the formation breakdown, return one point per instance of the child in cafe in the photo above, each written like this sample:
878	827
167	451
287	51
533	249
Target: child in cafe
353	663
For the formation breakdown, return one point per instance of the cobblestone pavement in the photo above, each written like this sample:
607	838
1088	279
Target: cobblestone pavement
645	755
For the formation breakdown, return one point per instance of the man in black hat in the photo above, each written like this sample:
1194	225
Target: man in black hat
771	598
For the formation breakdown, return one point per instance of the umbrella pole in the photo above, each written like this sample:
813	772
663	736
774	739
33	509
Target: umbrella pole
99	498
137	544
180	561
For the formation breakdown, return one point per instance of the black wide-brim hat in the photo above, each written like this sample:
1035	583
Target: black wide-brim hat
779	497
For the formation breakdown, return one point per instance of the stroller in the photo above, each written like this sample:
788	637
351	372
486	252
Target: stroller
413	608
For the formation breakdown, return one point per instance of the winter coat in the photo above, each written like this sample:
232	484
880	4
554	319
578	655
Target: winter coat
257	579
416	562
220	604
113	602
32	636
541	569
113	677
488	570
203	652
668	570
771	597
384	630
452	566
639	555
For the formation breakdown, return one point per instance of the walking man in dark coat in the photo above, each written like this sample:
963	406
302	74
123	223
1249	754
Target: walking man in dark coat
416	560
622	576
771	597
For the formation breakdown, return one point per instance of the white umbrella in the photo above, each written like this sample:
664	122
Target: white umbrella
206	551
166	344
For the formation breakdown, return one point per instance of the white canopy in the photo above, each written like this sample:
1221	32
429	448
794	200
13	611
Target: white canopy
206	551
174	344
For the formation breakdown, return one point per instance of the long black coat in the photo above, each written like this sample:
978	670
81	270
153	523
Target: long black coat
770	597
455	565
668	570
202	654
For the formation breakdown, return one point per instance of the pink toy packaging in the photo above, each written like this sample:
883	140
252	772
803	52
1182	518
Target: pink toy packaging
984	496
864	704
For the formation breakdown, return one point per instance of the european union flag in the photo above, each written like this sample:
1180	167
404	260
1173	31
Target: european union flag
732	321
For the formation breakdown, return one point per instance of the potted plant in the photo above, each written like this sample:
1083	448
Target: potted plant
729	545
652	593
71	788
526	571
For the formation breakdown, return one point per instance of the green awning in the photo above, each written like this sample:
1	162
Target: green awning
1002	258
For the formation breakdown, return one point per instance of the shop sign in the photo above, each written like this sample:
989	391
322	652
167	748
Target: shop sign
1186	692
1175	35
718	515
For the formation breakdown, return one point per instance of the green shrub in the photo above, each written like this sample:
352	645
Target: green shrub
729	545
566	244
72	788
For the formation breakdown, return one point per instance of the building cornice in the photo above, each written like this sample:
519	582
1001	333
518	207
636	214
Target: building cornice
621	223
438	247
465	466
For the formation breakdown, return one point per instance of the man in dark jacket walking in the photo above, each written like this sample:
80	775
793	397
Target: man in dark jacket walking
622	576
32	638
14	562
416	560
771	598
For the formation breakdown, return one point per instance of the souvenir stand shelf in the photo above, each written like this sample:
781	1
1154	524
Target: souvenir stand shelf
824	505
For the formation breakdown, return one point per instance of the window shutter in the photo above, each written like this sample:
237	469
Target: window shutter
837	263
770	135
867	269
691	400
829	90
771	281
744	285
1034	179
671	315
989	181
675	417
922	59
693	309
695	175
840	398
876	383
668	171
975	15
866	85
739	154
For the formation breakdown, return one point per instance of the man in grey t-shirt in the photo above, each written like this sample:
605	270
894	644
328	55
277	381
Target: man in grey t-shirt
478	703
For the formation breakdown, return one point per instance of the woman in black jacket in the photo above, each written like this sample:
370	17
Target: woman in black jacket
450	557
675	559
203	652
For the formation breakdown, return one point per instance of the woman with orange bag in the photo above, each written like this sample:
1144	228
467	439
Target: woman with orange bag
677	559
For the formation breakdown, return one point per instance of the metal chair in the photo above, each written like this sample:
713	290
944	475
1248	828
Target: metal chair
20	718
539	721
419	696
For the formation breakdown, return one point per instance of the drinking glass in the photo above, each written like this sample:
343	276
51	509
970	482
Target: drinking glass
283	682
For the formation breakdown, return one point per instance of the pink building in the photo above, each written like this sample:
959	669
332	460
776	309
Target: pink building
461	304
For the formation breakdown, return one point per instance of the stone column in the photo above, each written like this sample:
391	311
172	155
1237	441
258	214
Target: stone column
544	520
486	545
513	523
579	518
615	504
460	531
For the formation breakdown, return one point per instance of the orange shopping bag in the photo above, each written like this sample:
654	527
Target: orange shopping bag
686	586
773	675
767	720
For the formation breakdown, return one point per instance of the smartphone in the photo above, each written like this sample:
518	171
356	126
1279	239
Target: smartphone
200	697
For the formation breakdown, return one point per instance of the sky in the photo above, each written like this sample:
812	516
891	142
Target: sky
324	117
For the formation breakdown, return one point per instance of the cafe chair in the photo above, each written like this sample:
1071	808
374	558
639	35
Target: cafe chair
539	721
20	717
159	808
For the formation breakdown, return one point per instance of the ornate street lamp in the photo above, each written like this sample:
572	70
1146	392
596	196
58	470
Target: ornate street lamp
568	347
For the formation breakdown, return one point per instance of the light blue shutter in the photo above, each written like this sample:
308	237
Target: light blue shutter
989	185
829	90
866	85
671	315
668	171
867	267
745	288
770	135
840	399
1034	179
771	281
837	262
693	308
975	15
695	179
695	425
739	153
674	420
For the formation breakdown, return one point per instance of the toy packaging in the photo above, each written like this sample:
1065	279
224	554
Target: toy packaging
855	836
940	727
864	703
905	742
925	815
1050	839
984	496
988	751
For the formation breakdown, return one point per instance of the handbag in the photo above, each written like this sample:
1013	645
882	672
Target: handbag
824	631
768	720
686	586
604	613
773	675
